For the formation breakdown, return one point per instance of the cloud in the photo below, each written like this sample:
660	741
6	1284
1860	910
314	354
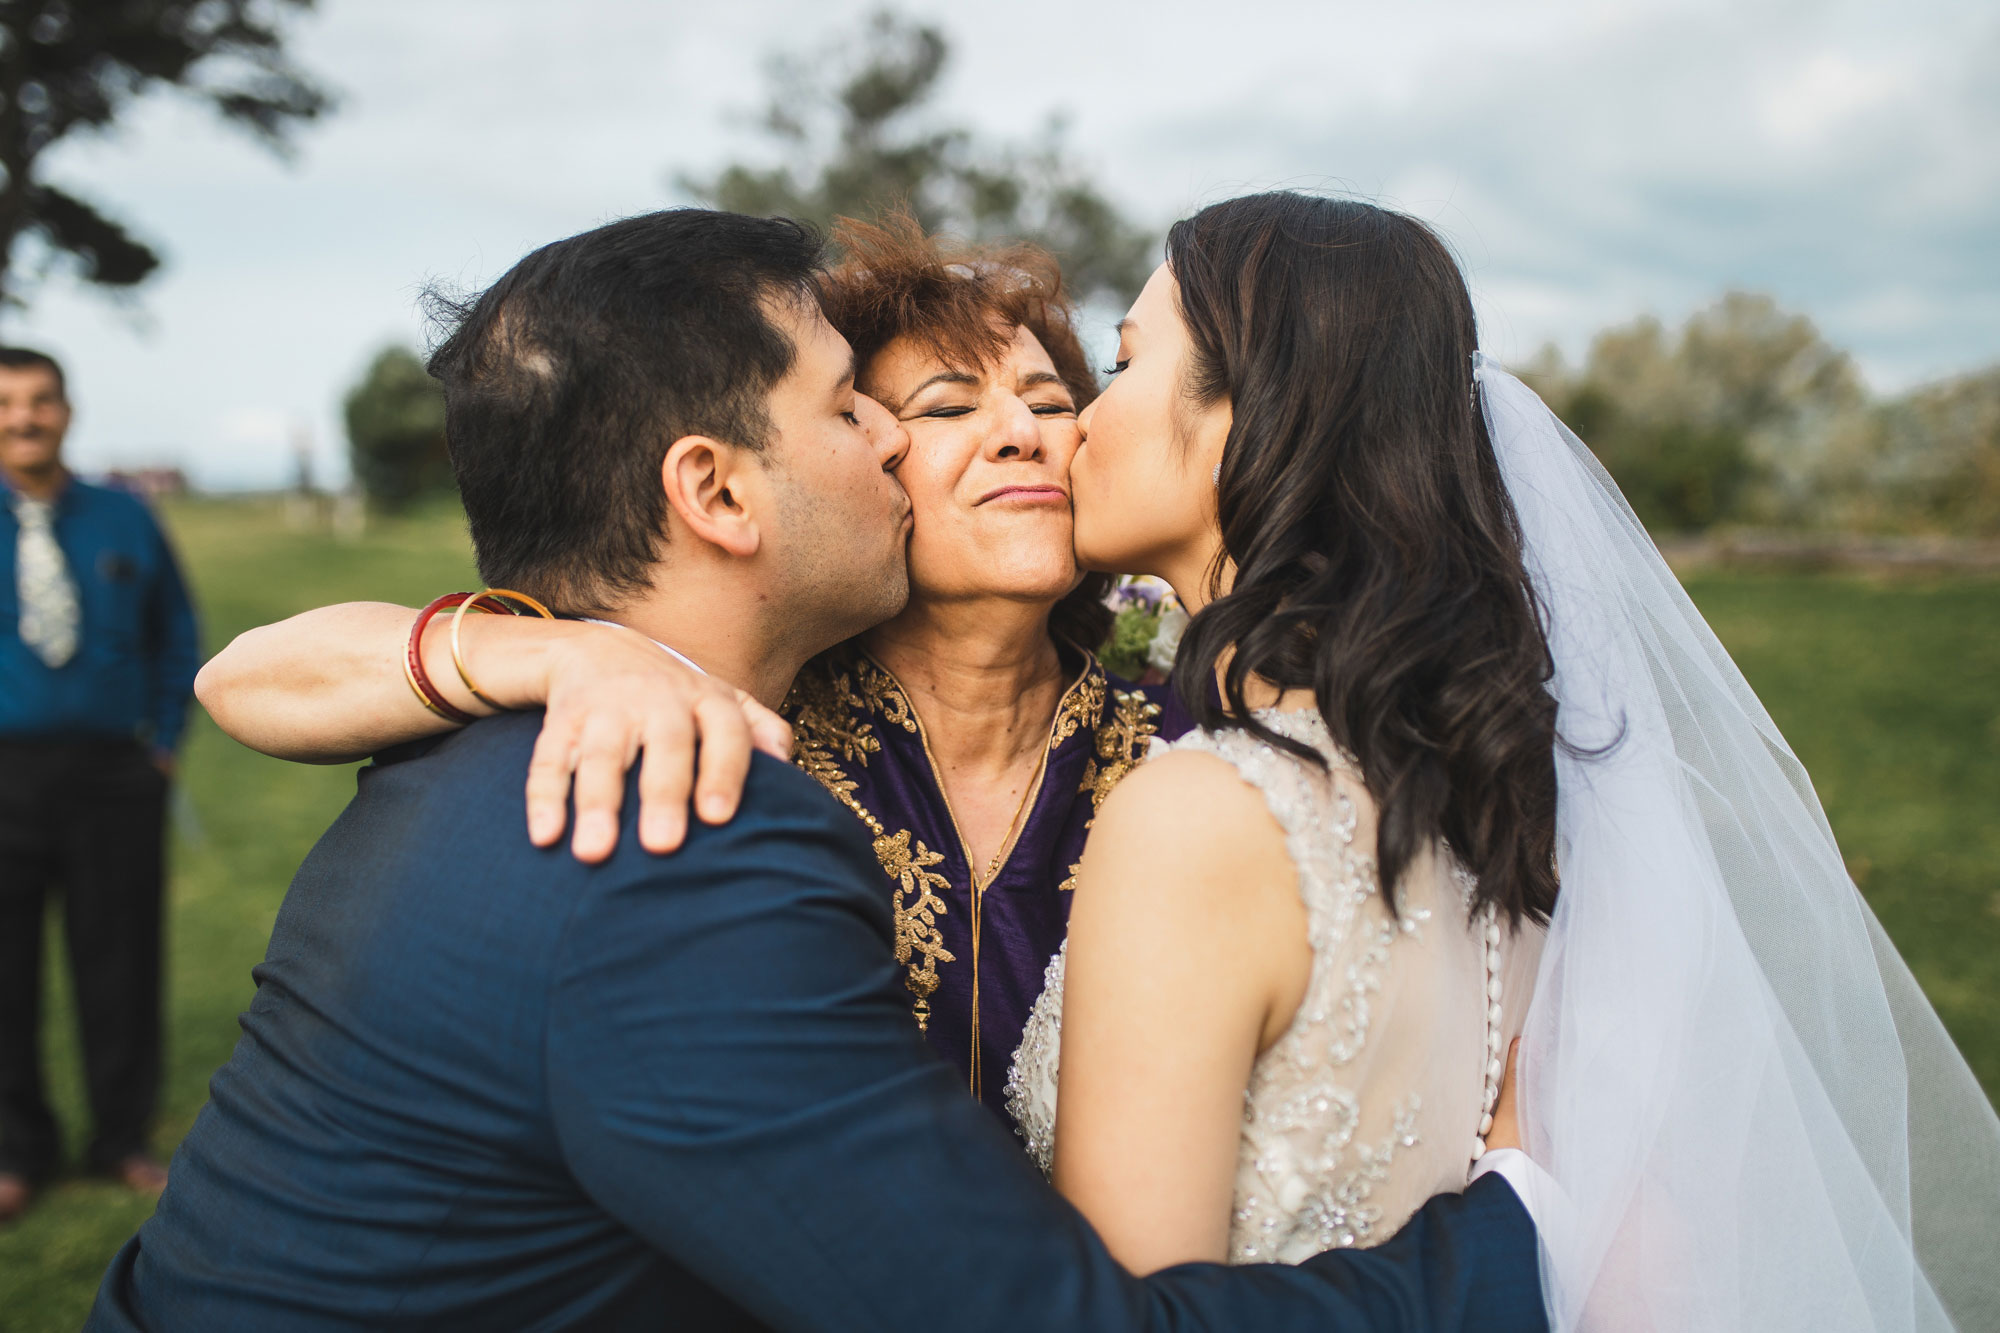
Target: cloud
1844	166
1589	160
1828	95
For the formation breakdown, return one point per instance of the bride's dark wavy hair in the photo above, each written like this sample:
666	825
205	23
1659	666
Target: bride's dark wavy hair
1378	558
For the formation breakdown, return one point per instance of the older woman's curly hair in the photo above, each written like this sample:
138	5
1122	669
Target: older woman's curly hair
963	302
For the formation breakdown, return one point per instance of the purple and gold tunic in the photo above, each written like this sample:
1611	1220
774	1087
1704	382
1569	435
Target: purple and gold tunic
973	947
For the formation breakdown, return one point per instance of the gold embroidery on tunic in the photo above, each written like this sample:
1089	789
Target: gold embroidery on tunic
1081	705
828	706
1122	740
827	721
880	691
824	711
918	907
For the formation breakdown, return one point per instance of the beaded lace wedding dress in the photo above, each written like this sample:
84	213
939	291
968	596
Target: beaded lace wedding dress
1377	1095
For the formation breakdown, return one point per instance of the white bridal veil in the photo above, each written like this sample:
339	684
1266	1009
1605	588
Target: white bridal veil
1755	1117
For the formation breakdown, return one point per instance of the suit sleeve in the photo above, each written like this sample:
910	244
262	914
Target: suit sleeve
175	640
734	1074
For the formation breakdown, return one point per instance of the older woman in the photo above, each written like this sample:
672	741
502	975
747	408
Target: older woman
974	734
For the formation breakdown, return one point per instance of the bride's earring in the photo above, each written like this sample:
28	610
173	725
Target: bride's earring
1218	474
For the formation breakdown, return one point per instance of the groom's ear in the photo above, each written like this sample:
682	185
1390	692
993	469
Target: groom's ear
711	487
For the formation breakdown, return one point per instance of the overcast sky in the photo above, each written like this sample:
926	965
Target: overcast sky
1589	159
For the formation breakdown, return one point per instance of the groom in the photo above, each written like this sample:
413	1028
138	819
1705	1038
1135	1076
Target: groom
485	1086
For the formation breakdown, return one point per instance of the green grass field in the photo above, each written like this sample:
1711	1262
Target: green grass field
1890	692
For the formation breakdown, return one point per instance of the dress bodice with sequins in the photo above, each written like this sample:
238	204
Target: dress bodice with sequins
1376	1095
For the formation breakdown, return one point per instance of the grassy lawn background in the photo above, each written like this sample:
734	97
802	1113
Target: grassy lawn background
244	823
1890	692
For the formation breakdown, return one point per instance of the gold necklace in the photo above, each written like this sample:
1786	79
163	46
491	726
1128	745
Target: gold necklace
976	1075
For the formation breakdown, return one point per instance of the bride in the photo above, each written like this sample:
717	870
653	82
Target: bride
1460	697
1304	934
1461	694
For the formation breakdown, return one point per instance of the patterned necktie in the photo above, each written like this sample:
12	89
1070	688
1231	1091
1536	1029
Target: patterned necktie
49	612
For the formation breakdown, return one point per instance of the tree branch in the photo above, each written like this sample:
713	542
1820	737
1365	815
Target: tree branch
110	255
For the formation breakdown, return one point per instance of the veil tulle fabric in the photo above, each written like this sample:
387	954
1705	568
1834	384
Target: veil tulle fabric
1756	1120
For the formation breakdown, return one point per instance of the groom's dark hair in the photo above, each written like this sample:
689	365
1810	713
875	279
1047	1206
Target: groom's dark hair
566	381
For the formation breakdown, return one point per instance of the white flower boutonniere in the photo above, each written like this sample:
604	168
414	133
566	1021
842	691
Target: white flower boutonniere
1147	633
1166	643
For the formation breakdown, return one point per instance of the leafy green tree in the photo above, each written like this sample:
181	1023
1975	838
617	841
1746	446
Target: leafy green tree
1928	460
395	431
70	66
1729	420
855	139
1748	414
1957	430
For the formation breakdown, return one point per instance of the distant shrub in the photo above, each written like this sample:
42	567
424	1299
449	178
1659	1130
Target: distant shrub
395	431
1681	477
1725	421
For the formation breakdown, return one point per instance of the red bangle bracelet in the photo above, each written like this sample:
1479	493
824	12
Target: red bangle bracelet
413	657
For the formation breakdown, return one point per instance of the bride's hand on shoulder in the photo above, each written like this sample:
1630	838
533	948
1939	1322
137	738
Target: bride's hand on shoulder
329	686
613	699
1506	1131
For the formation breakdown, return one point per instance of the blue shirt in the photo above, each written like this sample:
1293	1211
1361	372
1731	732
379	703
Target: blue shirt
138	648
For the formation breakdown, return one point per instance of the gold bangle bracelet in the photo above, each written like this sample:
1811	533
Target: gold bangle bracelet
423	698
458	617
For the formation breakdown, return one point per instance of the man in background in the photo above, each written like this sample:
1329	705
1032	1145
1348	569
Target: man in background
98	654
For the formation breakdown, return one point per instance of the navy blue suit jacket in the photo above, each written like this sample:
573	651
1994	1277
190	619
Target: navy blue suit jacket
483	1086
